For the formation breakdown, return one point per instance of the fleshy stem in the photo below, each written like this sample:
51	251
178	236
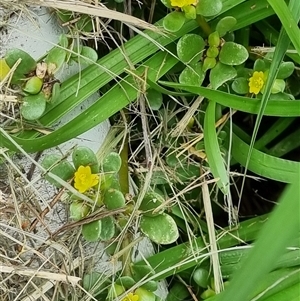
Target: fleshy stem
204	25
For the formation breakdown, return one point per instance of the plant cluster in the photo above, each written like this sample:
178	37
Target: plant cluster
35	82
205	75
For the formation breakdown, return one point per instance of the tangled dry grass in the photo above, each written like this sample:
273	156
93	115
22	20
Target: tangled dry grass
35	263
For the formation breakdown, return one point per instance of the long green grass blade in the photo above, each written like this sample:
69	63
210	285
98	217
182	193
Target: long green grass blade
289	17
110	103
274	131
280	108
263	164
286	145
212	149
285	216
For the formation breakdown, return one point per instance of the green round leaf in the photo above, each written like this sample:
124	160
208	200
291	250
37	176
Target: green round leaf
221	74
90	55
201	277
64	15
79	210
173	21
155	99
150	286
233	54
285	70
94	283
190	48
63	41
84	156
33	85
278	86
140	271
192	75
126	281
113	199
91	231
27	64
33	106
62	169
225	25
144	295
107	229
84	23
240	85
161	229
259	65
55	59
151	201
208	8
115	291
112	162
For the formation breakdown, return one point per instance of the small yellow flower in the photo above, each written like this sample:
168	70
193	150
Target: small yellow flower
256	82
131	297
84	179
4	69
182	3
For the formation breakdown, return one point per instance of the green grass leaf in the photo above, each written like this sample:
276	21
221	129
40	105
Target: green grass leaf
270	244
280	108
263	164
212	149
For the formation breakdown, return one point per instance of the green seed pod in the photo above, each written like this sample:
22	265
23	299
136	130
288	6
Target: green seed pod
126	282
85	156
212	51
209	63
150	202
91	231
33	85
112	162
113	199
79	210
201	277
214	39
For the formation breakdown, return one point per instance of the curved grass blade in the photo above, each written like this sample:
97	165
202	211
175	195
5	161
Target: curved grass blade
263	164
280	108
289	17
270	244
110	103
212	149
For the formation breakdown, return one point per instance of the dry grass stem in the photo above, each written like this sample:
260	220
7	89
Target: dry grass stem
40	274
89	9
212	238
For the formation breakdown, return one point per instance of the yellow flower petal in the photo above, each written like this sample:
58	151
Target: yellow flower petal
256	82
4	69
84	179
131	297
